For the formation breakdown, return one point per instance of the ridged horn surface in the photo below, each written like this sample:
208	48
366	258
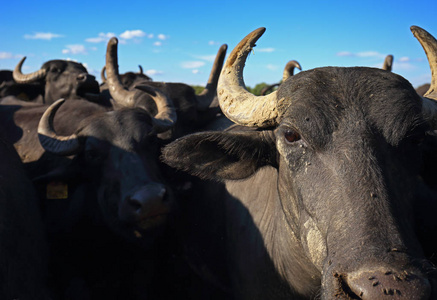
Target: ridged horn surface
238	104
49	140
27	78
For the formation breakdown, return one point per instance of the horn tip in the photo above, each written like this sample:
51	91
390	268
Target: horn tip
113	41
257	33
59	102
416	30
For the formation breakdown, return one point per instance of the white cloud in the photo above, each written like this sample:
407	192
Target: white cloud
42	36
195	71
74	49
130	34
272	67
370	54
9	55
103	37
268	50
192	64
162	36
150	35
404	59
153	72
209	58
5	55
158	43
344	53
404	66
212	43
362	54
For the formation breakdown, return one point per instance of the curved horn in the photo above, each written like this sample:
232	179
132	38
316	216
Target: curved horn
141	69
27	78
429	99
236	102
205	98
166	116
289	69
102	74
120	95
429	44
388	63
49	140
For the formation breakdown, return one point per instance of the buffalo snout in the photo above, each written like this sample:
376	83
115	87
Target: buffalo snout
144	205
383	283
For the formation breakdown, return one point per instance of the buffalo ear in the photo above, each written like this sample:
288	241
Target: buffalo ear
222	155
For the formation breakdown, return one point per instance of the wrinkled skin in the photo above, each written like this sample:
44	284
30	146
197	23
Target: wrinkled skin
327	202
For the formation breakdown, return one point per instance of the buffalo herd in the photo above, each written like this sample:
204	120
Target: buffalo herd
137	189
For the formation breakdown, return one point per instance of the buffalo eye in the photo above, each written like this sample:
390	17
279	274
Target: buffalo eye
55	70
291	136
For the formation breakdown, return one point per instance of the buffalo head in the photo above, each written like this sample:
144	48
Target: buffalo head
60	79
346	144
116	162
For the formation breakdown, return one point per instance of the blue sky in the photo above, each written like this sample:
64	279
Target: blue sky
176	41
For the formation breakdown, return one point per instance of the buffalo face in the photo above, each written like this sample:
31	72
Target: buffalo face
346	143
116	162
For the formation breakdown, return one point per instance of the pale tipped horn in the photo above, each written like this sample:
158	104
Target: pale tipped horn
429	44
120	95
27	78
239	105
429	104
388	63
166	116
206	97
49	140
289	69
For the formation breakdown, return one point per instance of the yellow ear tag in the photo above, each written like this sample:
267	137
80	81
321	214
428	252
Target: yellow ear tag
57	190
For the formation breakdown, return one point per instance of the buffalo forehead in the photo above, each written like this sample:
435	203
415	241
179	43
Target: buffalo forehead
62	65
124	128
319	101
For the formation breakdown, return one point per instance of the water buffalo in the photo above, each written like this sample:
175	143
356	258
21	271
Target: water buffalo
194	111
116	164
128	79
111	195
60	79
322	200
